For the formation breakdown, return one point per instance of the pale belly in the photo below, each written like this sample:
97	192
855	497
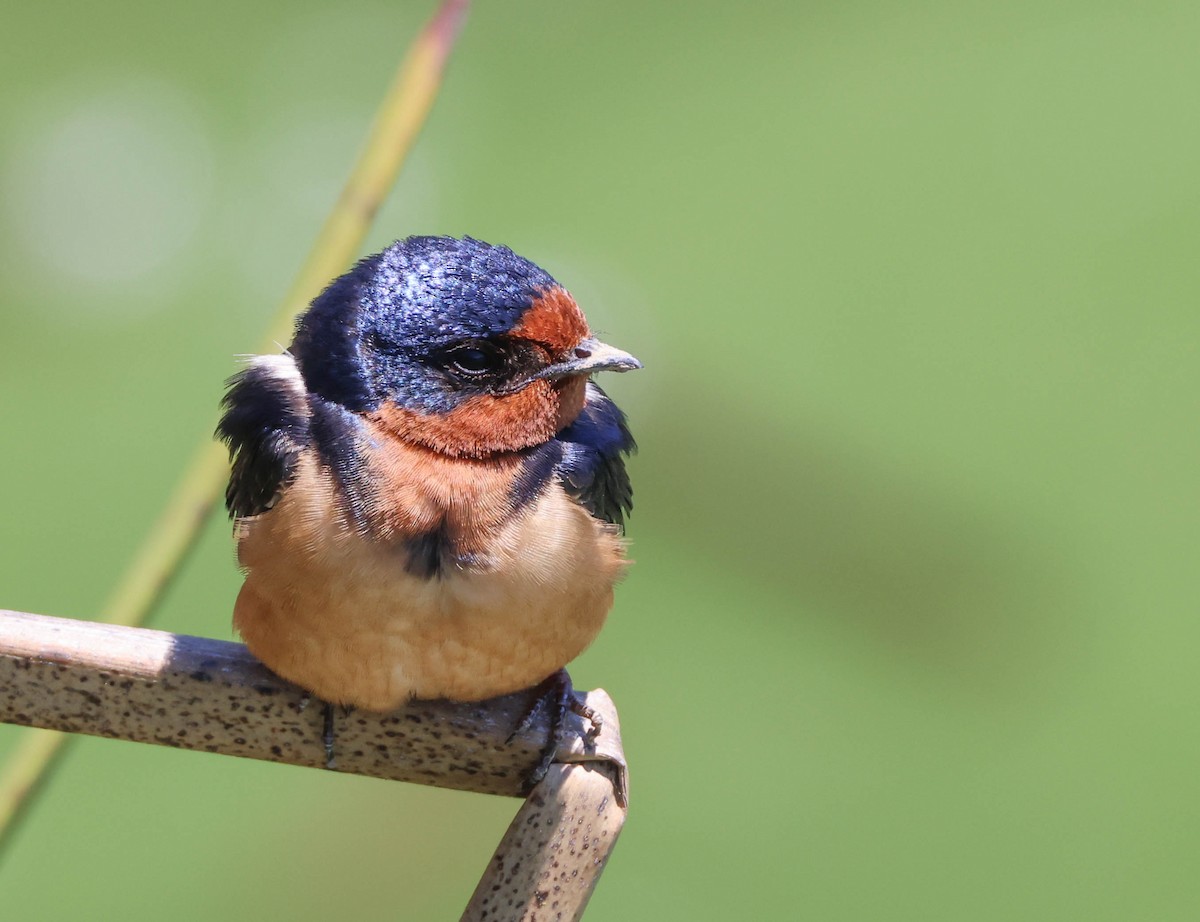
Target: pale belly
340	616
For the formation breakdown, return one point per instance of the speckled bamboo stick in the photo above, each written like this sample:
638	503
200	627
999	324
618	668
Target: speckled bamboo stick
554	851
211	695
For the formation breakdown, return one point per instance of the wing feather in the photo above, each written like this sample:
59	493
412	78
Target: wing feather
265	424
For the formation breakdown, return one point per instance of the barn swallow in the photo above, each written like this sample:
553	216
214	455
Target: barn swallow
428	489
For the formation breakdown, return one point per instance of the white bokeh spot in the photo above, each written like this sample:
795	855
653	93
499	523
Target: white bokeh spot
108	183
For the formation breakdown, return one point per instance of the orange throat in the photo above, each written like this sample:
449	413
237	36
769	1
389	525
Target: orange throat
488	425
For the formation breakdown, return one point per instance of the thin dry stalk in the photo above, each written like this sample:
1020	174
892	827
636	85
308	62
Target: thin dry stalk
167	545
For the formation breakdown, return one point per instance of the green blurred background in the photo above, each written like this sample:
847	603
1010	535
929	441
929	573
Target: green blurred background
912	632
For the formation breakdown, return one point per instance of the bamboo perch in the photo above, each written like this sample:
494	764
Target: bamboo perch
211	695
192	693
554	851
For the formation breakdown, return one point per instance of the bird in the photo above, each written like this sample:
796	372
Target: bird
428	489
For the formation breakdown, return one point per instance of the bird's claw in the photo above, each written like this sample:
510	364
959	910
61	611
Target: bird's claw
327	736
558	694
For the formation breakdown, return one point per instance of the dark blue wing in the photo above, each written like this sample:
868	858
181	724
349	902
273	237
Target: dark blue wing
592	468
266	426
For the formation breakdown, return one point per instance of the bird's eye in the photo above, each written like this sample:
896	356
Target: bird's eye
475	359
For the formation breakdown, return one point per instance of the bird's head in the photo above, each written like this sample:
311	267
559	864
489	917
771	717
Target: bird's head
456	345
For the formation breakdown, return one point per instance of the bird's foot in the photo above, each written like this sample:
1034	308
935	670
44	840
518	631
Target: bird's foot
328	734
559	696
327	730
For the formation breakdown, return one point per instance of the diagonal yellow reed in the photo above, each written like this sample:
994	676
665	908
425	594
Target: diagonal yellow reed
397	123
